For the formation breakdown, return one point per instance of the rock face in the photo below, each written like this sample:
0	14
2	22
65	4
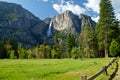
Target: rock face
20	24
84	18
68	22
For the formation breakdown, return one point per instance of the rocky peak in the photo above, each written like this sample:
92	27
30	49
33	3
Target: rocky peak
47	20
68	22
64	22
83	18
68	13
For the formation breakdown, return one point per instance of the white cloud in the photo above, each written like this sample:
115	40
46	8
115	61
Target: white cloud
69	5
118	16
116	6
93	5
95	18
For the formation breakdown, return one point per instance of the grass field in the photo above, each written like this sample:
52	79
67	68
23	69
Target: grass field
50	69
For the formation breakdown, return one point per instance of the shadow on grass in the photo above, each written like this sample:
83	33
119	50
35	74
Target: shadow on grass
114	73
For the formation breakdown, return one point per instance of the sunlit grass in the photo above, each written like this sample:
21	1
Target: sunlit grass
49	69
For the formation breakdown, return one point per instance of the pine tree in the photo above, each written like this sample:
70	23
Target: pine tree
70	43
44	42
105	29
56	44
56	41
14	45
21	51
60	49
88	41
3	53
74	53
42	51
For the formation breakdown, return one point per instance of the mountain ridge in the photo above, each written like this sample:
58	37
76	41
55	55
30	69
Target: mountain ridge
19	23
68	21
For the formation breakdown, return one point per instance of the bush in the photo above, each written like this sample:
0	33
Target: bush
114	48
12	56
53	53
74	53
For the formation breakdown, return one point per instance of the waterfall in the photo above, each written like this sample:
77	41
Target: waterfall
49	33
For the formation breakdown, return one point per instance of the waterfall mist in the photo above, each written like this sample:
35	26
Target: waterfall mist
49	33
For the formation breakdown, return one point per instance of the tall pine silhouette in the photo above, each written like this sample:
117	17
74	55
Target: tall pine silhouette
88	40
105	29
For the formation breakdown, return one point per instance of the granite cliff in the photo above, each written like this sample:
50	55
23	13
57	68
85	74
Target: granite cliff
67	22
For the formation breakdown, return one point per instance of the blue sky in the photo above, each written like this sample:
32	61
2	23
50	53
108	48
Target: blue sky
50	8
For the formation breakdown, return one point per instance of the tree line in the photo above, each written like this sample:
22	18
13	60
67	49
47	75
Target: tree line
100	41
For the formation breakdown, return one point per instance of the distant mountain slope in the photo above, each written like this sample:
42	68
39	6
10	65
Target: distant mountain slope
20	24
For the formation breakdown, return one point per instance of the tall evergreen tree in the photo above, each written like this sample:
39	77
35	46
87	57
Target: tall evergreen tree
56	41
58	45
105	29
60	49
3	53
70	43
44	42
48	51
21	51
14	45
88	41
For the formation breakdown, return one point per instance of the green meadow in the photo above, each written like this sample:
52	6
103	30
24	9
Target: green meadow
50	69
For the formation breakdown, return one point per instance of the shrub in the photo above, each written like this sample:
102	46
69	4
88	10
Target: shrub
12	56
114	48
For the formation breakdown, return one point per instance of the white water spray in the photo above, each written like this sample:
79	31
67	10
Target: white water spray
49	33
